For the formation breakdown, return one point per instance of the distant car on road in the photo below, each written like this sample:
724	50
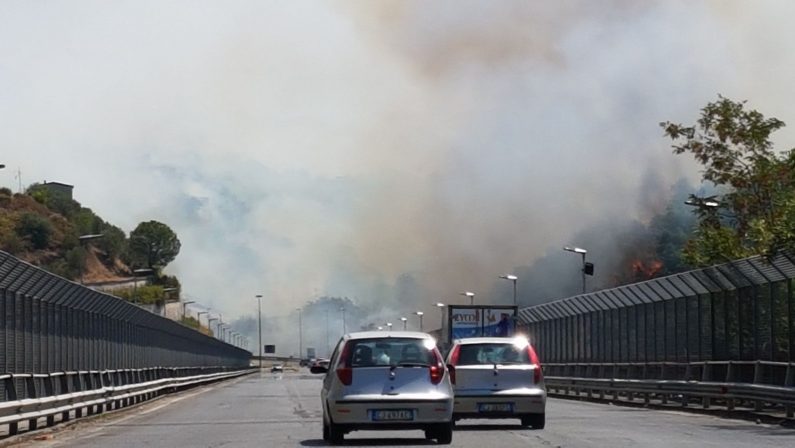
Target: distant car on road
386	380
497	378
322	362
277	368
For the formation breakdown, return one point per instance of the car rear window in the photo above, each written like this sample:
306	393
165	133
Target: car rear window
477	354
389	352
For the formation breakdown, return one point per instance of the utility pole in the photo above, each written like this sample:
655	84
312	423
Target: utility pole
259	314
300	335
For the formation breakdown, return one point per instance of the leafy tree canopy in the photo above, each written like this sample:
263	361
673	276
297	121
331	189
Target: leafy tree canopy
153	245
756	214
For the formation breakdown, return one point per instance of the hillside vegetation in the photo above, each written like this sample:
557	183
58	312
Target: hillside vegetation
44	227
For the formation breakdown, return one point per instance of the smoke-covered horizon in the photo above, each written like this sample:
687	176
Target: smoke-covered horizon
395	153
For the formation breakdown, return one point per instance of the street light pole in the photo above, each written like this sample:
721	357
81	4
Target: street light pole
512	278
259	313
344	324
210	324
300	334
581	251
471	296
199	318
327	347
184	307
441	306
404	320
420	313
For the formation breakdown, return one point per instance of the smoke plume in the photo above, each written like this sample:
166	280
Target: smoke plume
393	152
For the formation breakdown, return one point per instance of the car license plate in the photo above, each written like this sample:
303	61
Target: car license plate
495	407
392	415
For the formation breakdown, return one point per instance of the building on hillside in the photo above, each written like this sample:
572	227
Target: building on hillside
58	187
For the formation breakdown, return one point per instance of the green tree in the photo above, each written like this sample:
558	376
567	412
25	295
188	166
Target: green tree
35	229
756	215
113	241
153	244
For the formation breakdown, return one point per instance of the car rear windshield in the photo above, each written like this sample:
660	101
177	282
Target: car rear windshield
389	352
477	354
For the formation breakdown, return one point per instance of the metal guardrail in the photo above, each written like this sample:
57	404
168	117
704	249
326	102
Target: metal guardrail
93	392
710	382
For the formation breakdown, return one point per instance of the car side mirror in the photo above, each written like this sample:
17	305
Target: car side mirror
318	369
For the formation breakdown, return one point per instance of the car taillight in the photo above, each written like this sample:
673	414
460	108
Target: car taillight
345	374
437	370
454	354
537	374
344	371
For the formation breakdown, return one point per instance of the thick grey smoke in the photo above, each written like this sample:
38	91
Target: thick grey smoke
394	152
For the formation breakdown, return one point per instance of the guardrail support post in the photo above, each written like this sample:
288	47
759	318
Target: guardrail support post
33	392
706	372
789	381
64	390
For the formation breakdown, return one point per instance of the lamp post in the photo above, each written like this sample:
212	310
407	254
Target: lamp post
210	324
512	278
420	313
441	306
327	347
184	306
300	334
344	324
259	314
199	318
471	296
404	320
581	251
389	326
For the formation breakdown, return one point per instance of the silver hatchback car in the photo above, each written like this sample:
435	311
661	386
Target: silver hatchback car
386	380
497	378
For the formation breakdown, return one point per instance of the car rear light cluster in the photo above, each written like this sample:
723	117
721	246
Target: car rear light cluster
537	374
344	371
437	369
453	362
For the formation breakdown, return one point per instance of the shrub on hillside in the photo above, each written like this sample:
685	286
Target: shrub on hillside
35	229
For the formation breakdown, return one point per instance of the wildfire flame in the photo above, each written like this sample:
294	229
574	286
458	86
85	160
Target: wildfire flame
646	270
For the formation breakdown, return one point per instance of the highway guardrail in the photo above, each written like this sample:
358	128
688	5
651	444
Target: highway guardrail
771	384
46	396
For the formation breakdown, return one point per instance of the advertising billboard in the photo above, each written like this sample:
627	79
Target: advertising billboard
465	322
481	320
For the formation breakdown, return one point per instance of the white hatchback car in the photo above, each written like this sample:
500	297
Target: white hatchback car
386	380
497	378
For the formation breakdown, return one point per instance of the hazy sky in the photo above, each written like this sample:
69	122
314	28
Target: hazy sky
302	148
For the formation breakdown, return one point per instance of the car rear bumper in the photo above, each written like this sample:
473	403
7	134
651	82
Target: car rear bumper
531	401
358	413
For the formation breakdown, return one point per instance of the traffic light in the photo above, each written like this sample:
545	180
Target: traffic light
588	268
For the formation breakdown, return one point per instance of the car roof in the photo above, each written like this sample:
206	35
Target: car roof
387	334
491	340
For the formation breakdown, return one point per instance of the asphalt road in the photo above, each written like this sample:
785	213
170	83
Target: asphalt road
273	411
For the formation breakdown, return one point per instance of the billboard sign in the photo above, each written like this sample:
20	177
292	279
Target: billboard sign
465	322
481	320
270	349
498	323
